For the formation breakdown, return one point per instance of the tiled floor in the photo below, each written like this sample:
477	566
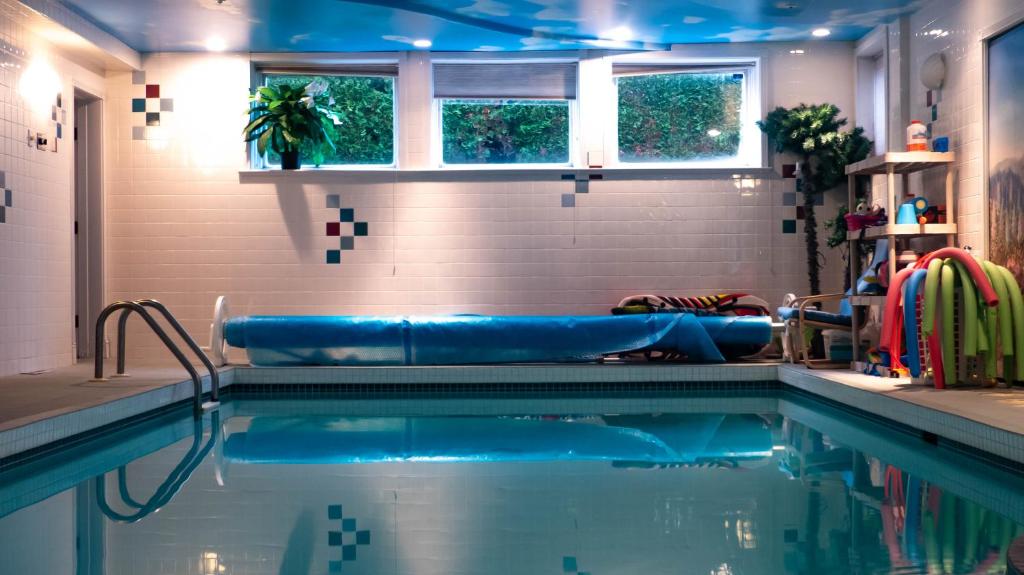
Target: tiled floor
38	409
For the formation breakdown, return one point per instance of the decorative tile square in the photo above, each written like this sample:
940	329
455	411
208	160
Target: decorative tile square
361	229
568	200
582	186
789	226
789	198
334	256
788	170
363	537
152	118
334	511
60	131
166	104
3	179
138	78
333	229
347	215
348	524
334	538
935	113
152	90
347	243
138	104
8	198
3	214
799	212
569	565
348	553
138	132
333	201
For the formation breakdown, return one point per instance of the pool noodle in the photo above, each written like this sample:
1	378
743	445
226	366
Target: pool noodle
910	321
1017	305
948	360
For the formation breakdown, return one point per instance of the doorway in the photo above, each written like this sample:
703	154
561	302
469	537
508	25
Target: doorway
88	220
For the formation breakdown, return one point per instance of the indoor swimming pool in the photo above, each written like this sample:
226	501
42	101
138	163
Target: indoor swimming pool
750	482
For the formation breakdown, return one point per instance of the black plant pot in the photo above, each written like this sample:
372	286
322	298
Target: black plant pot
290	160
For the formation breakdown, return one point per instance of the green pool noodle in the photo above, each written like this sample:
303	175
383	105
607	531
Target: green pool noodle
991	333
972	531
931	542
931	290
1005	316
970	303
1017	305
947	517
948	333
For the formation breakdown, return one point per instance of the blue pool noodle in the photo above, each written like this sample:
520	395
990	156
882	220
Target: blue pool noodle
455	340
911	289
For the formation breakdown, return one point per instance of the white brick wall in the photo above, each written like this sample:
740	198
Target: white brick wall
183	228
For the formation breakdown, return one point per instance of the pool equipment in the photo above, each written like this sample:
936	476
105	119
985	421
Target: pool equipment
911	211
472	339
917	137
944	289
624	440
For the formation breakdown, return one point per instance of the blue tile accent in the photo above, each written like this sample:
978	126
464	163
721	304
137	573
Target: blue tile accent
333	256
347	243
789	226
138	104
3	214
789	198
348	553
333	201
347	215
361	229
582	186
569	565
334	538
152	118
334	566
9	198
60	131
334	511
568	200
348	525
363	537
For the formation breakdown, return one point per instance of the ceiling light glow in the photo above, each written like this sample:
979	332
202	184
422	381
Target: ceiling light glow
423	43
820	32
216	44
797	51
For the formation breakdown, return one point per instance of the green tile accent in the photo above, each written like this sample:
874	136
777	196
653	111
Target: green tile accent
347	215
789	226
334	538
334	512
363	537
361	229
348	525
348	553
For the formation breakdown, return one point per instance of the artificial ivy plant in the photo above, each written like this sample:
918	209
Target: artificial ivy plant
283	117
814	133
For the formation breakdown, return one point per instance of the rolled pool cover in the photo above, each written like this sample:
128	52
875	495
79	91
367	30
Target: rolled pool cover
462	340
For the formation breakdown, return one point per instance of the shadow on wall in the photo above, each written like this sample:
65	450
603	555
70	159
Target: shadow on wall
297	218
298	552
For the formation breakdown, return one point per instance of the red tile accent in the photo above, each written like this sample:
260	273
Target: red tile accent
152	90
333	228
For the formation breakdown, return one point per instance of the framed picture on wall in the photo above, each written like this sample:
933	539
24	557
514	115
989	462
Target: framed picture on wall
1005	133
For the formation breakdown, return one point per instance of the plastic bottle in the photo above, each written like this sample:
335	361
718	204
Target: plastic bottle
917	137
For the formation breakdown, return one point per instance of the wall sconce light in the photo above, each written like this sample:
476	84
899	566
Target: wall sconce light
39	84
933	71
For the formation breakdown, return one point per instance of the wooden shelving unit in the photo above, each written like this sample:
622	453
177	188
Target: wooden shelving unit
890	165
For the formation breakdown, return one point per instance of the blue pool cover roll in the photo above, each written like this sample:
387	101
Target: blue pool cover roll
460	340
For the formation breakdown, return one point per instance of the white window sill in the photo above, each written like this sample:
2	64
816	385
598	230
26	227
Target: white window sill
340	174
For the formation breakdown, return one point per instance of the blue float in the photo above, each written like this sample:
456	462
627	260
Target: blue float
470	339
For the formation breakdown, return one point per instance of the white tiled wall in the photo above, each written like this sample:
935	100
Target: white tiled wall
36	311
184	229
955	28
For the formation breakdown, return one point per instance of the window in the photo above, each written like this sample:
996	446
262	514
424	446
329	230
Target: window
505	113
696	114
365	102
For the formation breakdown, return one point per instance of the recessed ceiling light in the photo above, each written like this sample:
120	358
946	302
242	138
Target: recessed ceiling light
216	44
422	43
821	32
714	133
797	51
618	34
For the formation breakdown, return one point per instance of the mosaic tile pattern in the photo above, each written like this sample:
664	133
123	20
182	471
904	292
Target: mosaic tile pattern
8	200
340	227
148	107
349	538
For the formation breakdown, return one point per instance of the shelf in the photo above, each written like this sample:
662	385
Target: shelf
867	300
899	163
903	230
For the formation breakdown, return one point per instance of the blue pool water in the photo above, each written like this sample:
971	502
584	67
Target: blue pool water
769	484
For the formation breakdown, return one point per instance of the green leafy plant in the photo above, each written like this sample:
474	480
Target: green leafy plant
815	134
284	117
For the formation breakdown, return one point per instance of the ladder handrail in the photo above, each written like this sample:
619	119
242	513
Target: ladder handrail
101	321
184	335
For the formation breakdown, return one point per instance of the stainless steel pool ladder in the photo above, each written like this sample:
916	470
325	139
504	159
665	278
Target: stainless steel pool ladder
139	307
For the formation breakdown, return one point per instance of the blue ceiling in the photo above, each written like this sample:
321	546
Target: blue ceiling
481	25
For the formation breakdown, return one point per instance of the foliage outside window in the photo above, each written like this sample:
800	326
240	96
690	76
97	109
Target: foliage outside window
366	108
493	131
680	117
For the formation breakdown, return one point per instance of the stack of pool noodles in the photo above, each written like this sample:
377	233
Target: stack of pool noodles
992	315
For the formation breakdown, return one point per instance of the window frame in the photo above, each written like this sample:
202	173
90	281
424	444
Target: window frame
752	151
351	69
437	119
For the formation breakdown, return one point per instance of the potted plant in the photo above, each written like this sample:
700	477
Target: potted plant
814	134
284	117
